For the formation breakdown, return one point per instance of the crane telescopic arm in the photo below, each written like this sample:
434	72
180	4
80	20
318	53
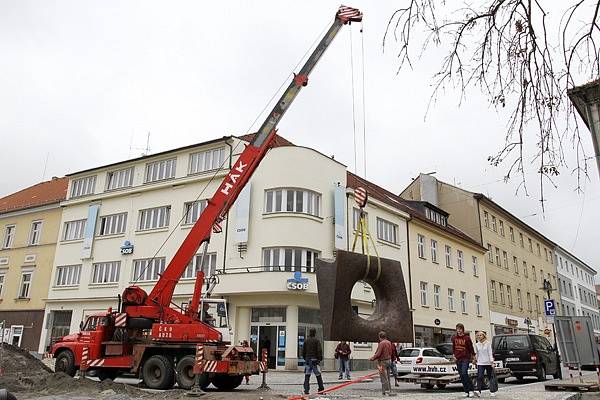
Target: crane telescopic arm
160	297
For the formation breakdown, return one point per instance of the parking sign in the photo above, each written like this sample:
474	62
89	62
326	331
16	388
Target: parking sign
549	308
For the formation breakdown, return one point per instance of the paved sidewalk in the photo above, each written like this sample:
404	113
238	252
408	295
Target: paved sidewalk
290	383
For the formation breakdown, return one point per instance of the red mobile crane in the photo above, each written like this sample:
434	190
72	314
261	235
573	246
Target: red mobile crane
150	338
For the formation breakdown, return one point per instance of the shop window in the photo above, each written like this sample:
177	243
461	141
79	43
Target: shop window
16	335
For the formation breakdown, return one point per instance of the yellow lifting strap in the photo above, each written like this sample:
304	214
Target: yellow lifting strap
362	230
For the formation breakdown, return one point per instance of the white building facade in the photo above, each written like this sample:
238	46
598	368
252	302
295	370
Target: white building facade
576	286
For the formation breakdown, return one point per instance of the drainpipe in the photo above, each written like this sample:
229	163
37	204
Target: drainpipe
227	217
410	296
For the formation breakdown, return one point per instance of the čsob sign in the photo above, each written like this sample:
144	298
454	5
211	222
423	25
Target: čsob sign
297	282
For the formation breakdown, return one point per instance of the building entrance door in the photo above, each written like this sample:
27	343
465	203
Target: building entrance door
272	338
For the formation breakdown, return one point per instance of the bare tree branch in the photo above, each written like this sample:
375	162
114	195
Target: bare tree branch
502	47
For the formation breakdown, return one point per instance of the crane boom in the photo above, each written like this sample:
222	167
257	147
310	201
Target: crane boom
157	303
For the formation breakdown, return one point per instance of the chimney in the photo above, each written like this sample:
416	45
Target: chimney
428	188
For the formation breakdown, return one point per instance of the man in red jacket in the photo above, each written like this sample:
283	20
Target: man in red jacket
383	356
462	349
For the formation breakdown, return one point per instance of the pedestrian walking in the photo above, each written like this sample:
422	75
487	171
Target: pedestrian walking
312	353
462	349
342	353
393	368
383	356
485	364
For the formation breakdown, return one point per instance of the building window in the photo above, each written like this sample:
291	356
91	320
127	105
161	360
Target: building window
509	296
154	218
494	298
9	236
490	253
501	228
206	160
501	287
434	251
74	230
451	299
83	186
546	253
293	200
160	170
512	233
119	179
209	265
289	259
25	287
486	219
521	240
497	256
112	224
459	260
2	284
519	299
516	265
106	272
530	244
193	209
436	296
36	232
148	269
463	302
539	252
505	259
494	227
525	270
387	231
478	305
421	246
533	273
67	275
537	303
423	287
356	217
475	268
448	256
529	302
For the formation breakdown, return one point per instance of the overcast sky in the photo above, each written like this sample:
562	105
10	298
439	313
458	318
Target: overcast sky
82	83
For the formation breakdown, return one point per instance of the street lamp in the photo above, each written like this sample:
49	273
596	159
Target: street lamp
548	288
586	99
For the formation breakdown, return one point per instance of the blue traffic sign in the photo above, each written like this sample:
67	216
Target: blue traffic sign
550	307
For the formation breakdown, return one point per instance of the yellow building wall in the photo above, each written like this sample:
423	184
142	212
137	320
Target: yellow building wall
42	255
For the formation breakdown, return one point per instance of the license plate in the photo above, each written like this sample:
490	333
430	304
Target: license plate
512	359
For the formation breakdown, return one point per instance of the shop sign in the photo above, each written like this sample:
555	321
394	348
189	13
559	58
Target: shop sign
127	248
512	322
437	321
297	282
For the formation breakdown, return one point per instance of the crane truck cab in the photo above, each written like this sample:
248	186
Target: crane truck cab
214	313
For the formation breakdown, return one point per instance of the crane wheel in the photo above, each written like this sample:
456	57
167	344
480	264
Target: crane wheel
185	374
65	362
158	372
227	382
104	374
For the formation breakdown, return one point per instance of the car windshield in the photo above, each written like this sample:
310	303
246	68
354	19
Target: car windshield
409	353
445	348
512	342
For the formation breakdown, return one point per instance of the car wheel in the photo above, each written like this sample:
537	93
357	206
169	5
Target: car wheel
501	380
519	378
158	372
440	385
541	375
65	362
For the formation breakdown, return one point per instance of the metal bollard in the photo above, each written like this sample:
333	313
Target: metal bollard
196	390
84	361
264	370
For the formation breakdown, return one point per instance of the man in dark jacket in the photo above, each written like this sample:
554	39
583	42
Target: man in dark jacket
462	349
342	353
312	352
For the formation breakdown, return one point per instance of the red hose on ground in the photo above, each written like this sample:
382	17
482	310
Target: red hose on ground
336	387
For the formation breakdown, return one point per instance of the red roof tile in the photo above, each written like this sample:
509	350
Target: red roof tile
40	194
279	141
